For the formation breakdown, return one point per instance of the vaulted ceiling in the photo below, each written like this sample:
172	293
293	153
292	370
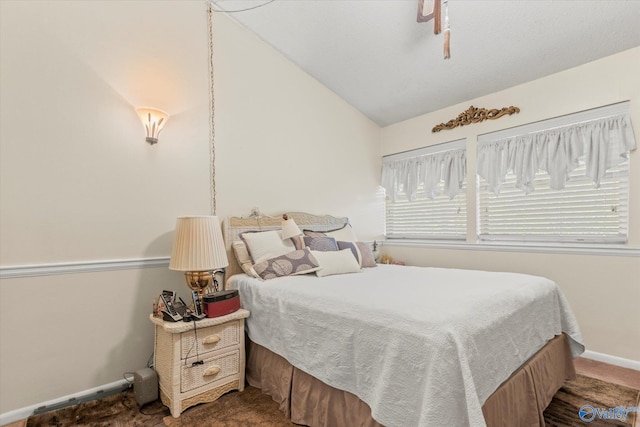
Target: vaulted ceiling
374	54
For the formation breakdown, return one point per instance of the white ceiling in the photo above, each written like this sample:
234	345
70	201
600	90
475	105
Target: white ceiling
374	54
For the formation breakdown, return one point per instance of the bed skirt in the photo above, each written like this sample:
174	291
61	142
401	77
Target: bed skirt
519	401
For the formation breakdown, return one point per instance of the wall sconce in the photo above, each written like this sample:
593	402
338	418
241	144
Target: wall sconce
290	230
153	121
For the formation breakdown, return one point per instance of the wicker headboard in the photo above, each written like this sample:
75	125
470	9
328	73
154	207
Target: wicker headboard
233	226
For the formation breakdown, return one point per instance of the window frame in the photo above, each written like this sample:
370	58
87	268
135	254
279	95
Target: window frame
545	125
428	150
583	239
472	241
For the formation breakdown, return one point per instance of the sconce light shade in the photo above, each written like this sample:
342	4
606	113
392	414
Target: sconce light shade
153	121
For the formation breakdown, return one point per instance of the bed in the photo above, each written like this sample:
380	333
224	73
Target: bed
401	345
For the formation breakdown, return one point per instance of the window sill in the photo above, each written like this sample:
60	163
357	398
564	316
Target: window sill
547	248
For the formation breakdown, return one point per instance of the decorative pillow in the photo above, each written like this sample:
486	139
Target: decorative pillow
242	255
336	262
344	234
293	263
320	243
298	242
367	258
264	245
353	248
361	251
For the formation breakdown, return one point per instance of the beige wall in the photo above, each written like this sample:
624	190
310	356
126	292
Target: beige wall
286	143
78	180
604	291
79	183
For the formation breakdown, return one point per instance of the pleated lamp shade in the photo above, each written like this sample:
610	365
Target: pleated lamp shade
198	245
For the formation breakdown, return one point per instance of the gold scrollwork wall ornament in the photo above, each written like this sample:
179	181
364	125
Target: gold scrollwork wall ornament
475	115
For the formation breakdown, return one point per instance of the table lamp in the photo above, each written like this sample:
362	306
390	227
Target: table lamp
198	250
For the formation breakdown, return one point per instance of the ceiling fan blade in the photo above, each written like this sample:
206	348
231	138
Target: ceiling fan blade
430	9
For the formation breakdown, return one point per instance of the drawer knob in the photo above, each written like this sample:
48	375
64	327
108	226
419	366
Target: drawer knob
211	371
211	339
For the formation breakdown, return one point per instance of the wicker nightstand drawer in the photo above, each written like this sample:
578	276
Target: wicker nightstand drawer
211	338
220	347
211	371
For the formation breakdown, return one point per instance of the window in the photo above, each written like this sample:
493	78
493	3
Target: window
578	213
561	180
426	193
424	218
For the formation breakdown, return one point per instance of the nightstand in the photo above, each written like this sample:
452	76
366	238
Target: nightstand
199	361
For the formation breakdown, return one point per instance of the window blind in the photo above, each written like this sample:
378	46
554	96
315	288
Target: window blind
424	218
426	193
560	180
578	213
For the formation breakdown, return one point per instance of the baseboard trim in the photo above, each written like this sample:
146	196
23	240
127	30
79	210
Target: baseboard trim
24	413
612	360
81	267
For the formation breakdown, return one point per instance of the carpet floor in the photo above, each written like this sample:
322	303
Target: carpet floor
566	404
252	408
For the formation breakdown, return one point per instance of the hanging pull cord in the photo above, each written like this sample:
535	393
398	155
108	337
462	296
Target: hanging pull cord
447	31
212	113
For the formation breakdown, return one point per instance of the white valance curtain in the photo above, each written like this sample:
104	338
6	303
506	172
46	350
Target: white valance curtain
604	143
438	172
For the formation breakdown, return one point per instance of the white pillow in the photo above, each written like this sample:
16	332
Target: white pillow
264	245
344	234
336	262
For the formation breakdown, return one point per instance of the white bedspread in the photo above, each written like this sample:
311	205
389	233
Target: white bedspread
421	346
